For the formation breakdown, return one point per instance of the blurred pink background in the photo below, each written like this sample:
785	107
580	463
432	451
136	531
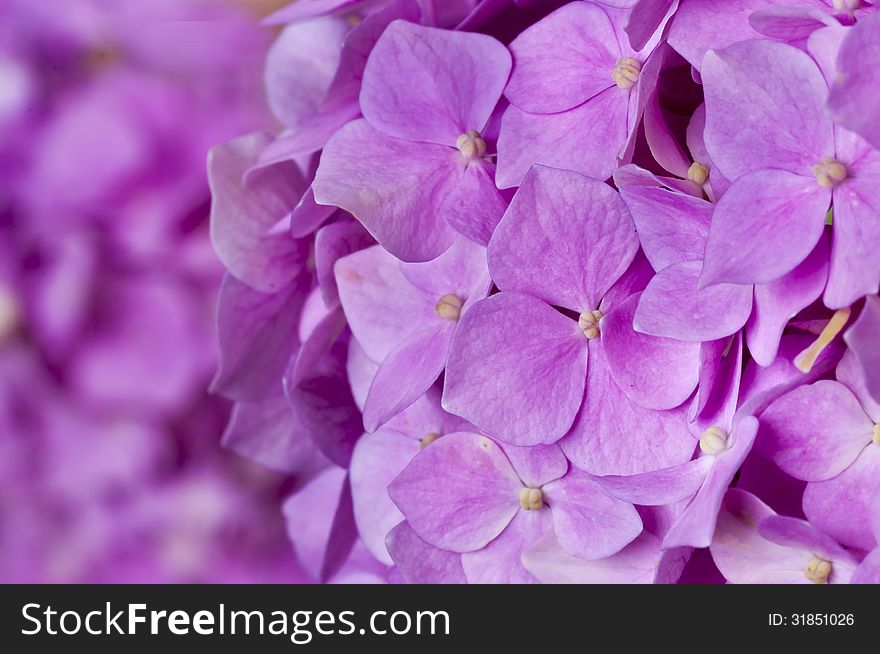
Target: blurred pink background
110	464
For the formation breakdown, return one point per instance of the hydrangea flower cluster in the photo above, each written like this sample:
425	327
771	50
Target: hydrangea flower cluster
109	467
536	291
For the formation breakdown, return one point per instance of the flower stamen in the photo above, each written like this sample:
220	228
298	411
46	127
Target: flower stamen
818	570
449	306
829	172
427	439
626	72
698	173
713	441
806	359
588	321
471	145
531	499
876	439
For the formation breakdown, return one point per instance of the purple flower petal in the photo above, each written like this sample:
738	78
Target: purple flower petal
333	242
421	563
634	564
659	487
395	188
563	60
854	102
459	493
862	339
589	523
580	226
658	373
377	459
765	108
244	215
815	432
841	506
516	369
538	464
672	227
430	85
744	248
779	301
258	334
500	562
585	139
613	435
673	305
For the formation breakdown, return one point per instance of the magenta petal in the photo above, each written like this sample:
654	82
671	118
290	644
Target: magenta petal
779	301
461	270
696	524
268	433
634	564
792	532
744	247
613	435
459	493
868	571
421	563
395	188
862	339
841	507
580	226
743	556
406	373
308	216
588	521
538	464
377	459
854	102
320	340
427	84
790	23
659	487
855	269
245	213
500	562
474	205
333	242
658	373
382	307
516	369
563	60
585	139
672	227
300	65
645	18
662	141
765	108
257	334
674	306
815	432
311	515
